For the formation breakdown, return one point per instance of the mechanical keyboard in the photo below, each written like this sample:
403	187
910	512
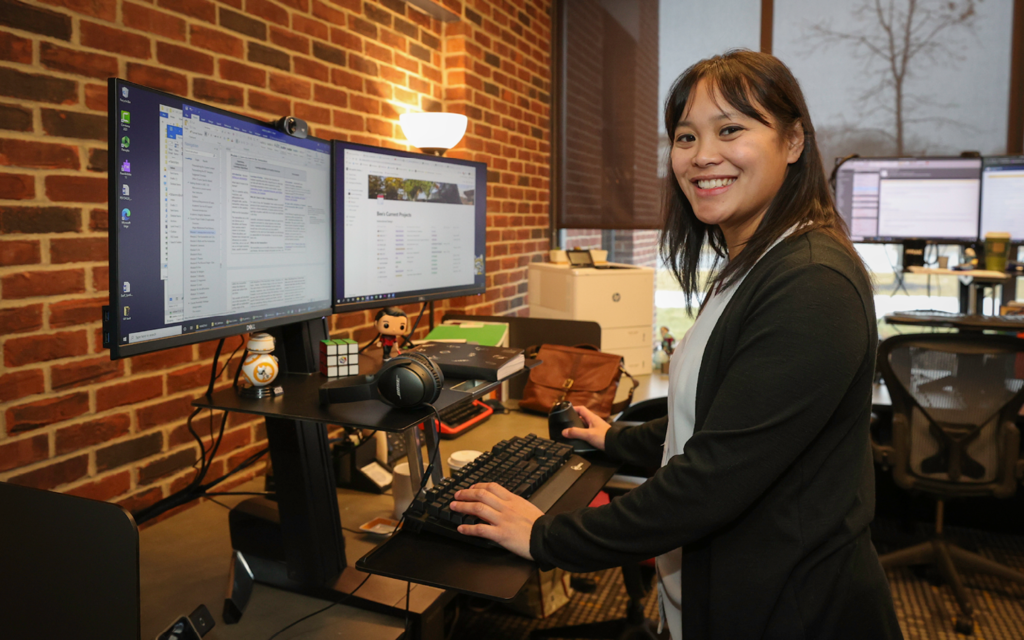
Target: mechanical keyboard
535	468
460	418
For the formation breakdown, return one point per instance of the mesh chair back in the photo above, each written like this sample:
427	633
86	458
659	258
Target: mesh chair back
955	394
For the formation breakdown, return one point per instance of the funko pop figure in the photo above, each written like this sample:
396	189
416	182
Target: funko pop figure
391	323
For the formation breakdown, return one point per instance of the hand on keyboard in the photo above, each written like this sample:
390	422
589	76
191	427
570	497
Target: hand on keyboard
510	518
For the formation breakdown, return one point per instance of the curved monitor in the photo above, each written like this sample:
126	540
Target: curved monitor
219	224
408	227
1002	196
896	199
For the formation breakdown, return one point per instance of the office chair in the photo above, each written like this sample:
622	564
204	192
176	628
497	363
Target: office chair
635	577
955	398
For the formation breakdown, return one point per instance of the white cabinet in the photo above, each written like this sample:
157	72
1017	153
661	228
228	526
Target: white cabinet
619	298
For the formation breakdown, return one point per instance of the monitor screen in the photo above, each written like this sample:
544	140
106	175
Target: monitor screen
895	199
1002	196
219	224
408	227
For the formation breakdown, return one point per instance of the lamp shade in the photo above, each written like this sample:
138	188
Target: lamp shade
433	132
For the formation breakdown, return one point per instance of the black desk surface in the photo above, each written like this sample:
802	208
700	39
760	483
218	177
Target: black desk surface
960	321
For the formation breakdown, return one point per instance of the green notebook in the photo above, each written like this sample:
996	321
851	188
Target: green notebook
491	335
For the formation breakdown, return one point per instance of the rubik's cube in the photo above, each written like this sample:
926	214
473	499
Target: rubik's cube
339	358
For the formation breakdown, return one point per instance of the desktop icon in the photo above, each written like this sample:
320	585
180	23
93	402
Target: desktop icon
126	167
125	214
124	142
126	310
126	118
124	189
124	92
127	287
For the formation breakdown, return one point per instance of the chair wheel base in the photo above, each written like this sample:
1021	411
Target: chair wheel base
964	626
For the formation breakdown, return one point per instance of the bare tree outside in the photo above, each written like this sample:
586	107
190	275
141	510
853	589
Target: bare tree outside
898	39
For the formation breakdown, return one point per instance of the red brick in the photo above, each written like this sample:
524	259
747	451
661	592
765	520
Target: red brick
76	189
20	15
243	24
24	452
91	432
267	10
39	348
80	373
213	91
268	103
196	376
158	78
311	69
347	39
15	252
378	52
40	413
380	127
55	474
342	78
218	41
287	84
327	13
105	488
162	359
99	36
164	413
96	97
166	465
157	22
125	452
74	124
301	5
64	250
94	65
129	392
201	9
15	49
238	72
308	112
100	279
37	155
184	58
102	9
42	283
315	28
289	40
233	440
20	384
349	121
71	312
98	220
141	500
363	104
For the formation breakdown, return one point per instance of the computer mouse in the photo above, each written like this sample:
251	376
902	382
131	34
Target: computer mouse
562	416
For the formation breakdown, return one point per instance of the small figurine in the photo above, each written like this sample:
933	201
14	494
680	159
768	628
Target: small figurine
260	368
339	358
391	323
668	341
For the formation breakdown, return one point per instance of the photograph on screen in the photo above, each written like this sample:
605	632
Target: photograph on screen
391	188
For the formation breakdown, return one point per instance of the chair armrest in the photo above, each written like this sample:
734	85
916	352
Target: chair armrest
883	454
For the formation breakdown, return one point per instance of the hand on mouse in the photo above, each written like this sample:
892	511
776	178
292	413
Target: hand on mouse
595	432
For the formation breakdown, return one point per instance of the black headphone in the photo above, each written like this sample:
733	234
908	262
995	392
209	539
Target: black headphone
406	381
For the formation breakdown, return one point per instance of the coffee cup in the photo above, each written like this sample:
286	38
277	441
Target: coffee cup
401	488
460	459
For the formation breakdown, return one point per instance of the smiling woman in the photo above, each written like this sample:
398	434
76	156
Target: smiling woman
759	512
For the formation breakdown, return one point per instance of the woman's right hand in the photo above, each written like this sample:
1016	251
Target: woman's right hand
595	432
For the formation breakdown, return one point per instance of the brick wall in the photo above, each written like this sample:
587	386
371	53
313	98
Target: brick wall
70	419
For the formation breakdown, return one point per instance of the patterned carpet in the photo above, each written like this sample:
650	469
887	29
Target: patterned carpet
926	608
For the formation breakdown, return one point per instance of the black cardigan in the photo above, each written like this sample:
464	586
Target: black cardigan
772	495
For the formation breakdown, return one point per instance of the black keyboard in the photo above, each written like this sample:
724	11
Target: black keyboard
460	418
535	468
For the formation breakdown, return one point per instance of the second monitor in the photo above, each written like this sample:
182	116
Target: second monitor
408	227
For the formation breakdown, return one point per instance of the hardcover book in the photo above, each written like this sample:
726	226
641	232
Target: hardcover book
464	360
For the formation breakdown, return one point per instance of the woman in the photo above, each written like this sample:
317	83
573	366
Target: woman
759	512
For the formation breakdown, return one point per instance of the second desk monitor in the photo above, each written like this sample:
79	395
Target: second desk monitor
408	227
1002	196
896	199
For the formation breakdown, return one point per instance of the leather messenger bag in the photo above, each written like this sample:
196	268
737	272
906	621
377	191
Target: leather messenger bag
583	375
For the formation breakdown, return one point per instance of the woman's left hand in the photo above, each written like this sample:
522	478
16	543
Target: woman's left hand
510	517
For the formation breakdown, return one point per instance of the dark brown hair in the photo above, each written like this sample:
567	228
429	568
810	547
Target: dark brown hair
761	87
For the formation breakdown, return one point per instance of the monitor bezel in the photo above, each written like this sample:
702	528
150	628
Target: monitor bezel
119	350
901	239
981	201
337	147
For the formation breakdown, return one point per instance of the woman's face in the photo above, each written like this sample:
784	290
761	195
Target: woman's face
729	165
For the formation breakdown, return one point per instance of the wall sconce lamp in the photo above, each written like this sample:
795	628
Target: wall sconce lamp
433	133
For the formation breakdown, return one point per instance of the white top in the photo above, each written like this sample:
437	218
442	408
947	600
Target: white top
683	371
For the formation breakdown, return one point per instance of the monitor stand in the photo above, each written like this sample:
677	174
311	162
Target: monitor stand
295	542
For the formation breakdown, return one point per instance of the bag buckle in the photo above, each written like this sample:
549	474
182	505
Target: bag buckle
565	388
